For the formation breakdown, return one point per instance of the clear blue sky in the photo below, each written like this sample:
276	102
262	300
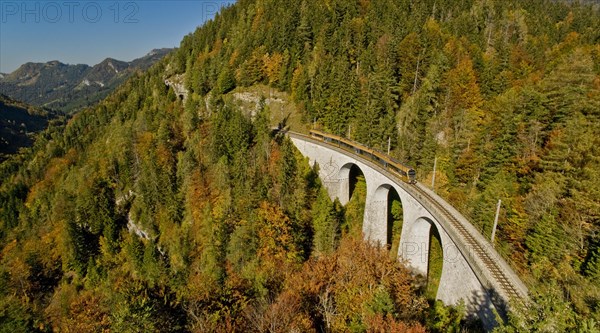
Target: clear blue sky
87	32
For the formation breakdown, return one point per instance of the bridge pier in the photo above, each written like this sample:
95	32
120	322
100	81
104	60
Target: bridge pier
414	245
376	211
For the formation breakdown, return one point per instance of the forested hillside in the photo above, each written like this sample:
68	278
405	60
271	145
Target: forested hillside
20	122
167	208
141	216
504	94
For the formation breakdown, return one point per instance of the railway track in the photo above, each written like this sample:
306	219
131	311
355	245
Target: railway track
501	279
497	280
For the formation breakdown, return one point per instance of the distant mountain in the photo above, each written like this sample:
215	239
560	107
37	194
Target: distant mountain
149	59
19	122
69	88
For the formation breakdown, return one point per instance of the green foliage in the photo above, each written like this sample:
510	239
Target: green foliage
251	71
11	205
225	81
434	265
139	307
549	313
592	263
382	303
231	133
355	208
395	222
377	121
445	319
16	317
327	219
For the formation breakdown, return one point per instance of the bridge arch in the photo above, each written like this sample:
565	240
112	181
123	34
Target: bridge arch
348	176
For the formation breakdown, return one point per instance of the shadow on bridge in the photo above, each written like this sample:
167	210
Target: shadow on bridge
481	316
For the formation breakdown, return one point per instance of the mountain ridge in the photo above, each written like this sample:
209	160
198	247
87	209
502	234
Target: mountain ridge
71	87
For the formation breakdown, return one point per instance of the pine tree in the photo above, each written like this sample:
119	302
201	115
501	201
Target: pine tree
592	264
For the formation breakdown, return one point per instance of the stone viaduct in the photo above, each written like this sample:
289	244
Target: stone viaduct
472	271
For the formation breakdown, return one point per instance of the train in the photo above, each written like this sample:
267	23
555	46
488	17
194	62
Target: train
392	165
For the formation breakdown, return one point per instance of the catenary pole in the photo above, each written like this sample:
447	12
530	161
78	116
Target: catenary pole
496	221
433	177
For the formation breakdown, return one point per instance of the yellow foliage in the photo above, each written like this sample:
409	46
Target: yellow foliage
71	312
234	56
596	83
347	281
55	168
12	260
272	66
217	46
275	235
462	86
256	22
571	41
51	243
144	142
165	157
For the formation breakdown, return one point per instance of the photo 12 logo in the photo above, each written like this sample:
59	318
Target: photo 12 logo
69	11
